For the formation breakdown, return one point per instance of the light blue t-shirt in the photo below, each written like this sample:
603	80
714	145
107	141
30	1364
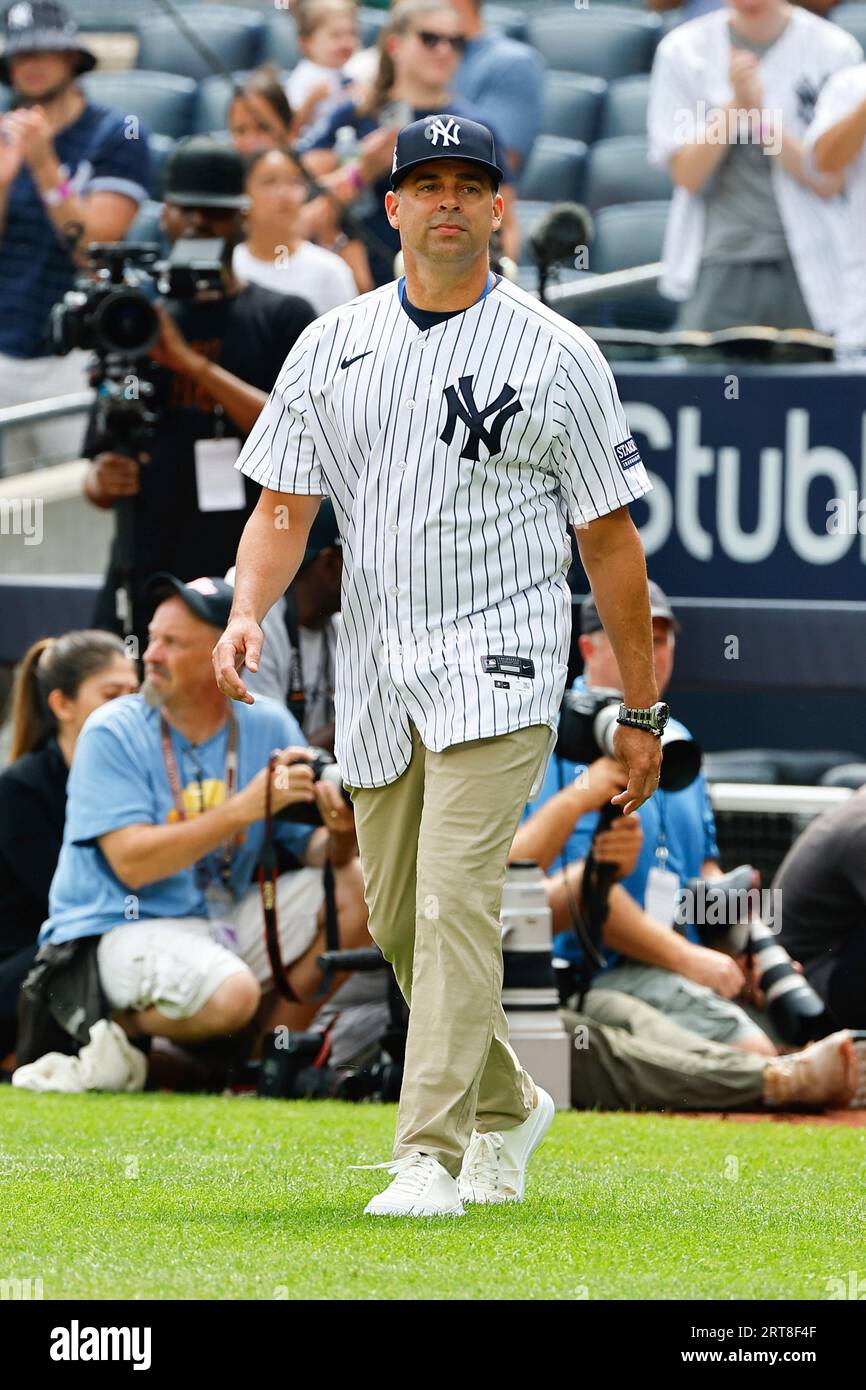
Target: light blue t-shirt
685	818
118	778
504	80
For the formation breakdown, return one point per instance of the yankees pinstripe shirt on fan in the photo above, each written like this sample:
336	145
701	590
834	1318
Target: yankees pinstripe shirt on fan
455	457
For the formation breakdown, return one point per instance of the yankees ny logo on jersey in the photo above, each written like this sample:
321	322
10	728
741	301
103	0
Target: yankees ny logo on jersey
450	132
472	416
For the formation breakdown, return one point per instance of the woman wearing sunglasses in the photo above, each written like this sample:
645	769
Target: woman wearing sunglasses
351	151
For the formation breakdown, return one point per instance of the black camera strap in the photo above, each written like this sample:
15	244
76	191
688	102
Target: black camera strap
268	889
296	699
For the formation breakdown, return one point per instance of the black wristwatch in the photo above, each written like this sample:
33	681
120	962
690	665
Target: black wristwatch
652	720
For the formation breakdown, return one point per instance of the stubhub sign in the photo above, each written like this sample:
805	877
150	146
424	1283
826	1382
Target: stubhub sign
759	479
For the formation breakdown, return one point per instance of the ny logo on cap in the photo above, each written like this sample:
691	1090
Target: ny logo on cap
450	133
20	16
474	417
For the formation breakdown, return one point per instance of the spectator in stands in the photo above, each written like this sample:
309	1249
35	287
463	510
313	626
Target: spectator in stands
503	80
327	37
259	115
419	52
69	175
217	359
751	236
822	880
836	144
670	840
296	666
275	253
59	682
165	827
260	118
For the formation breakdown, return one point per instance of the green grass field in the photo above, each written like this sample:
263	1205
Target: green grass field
158	1196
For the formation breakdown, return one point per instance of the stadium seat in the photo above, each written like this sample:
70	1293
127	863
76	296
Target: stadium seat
212	103
852	18
371	23
281	42
160	147
572	105
624	110
118	17
628	234
145	224
618	171
235	36
163	101
554	168
506	20
604	40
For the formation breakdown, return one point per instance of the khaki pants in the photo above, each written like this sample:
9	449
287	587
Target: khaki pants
434	847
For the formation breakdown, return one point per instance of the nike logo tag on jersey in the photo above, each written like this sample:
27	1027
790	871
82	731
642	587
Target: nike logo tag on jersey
347	361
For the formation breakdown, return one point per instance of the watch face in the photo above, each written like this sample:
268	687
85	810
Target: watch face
663	714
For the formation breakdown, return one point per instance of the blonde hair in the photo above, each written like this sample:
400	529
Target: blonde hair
400	21
310	14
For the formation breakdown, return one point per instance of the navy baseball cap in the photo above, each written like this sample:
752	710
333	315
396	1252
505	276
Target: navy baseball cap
660	607
444	137
208	598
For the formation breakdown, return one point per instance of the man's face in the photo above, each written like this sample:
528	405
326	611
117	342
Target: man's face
446	211
40	75
179	222
601	664
177	660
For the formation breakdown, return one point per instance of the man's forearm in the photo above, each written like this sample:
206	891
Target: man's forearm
240	401
544	834
271	549
835	149
633	932
613	558
322	845
144	854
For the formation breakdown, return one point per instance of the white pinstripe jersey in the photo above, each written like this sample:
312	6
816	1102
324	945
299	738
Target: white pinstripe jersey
455	458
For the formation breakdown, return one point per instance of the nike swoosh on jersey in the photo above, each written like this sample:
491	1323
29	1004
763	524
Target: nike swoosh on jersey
347	361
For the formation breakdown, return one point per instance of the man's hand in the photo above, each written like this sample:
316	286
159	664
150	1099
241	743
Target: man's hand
112	476
291	782
337	814
641	755
620	845
171	348
240	645
713	969
743	72
11	152
34	135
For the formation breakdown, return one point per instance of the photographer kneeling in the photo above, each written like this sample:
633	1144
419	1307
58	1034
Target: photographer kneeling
165	827
670	841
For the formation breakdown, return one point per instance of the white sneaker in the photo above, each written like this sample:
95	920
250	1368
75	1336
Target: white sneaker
494	1165
421	1187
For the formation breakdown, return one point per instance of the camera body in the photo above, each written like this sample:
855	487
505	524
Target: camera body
324	768
588	722
110	311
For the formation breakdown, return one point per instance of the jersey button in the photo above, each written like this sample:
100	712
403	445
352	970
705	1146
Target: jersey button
402	464
410	405
395	529
394	591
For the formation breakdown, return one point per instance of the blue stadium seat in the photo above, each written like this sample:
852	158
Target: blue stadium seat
604	40
160	147
506	20
852	18
236	37
371	23
212	103
618	171
118	17
163	101
628	234
281	42
572	105
554	170
624	111
145	224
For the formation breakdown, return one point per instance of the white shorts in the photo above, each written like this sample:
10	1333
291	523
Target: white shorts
175	964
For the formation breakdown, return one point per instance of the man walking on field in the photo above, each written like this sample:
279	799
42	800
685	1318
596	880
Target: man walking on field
459	428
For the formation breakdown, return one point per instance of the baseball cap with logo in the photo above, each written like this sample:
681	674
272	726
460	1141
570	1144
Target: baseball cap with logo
208	598
660	607
444	137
